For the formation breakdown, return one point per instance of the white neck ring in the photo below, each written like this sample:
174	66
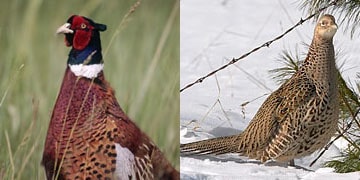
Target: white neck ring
88	71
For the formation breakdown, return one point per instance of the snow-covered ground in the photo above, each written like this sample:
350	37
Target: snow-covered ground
214	31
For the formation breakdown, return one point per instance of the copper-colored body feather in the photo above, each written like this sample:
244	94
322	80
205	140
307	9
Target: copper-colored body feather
298	118
86	123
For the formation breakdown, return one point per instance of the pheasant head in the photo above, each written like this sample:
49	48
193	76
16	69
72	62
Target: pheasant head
325	28
83	35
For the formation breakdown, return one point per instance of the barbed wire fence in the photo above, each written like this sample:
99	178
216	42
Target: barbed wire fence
266	44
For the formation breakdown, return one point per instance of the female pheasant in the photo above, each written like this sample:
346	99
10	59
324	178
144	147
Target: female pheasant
295	120
89	136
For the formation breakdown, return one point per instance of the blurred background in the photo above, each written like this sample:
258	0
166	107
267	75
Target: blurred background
141	64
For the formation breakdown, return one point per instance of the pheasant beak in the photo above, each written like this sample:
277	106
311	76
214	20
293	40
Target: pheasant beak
64	29
334	26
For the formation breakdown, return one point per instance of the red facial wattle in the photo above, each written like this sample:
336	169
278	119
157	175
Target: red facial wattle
82	32
81	39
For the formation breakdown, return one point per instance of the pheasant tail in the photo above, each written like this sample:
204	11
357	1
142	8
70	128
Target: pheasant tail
217	146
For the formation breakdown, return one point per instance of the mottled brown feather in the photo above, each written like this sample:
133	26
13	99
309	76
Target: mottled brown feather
295	120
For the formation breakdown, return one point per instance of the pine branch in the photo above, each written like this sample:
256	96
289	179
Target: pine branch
349	11
290	63
350	161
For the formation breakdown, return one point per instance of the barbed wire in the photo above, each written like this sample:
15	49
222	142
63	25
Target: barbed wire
266	44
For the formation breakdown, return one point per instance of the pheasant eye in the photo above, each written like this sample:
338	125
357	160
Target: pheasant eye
83	26
322	23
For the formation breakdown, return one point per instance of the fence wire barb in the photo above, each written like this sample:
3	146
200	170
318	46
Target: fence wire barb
266	44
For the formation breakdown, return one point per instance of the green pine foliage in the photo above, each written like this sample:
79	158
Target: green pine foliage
349	161
349	11
290	64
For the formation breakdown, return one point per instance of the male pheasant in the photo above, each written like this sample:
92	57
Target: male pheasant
89	136
295	120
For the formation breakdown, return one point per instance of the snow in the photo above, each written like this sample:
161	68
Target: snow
212	33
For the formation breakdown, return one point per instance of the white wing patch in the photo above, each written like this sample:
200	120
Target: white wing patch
89	71
125	162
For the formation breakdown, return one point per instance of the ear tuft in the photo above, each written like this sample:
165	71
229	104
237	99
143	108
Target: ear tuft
100	27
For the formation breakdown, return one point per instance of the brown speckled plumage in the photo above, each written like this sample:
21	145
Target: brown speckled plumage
298	118
86	126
